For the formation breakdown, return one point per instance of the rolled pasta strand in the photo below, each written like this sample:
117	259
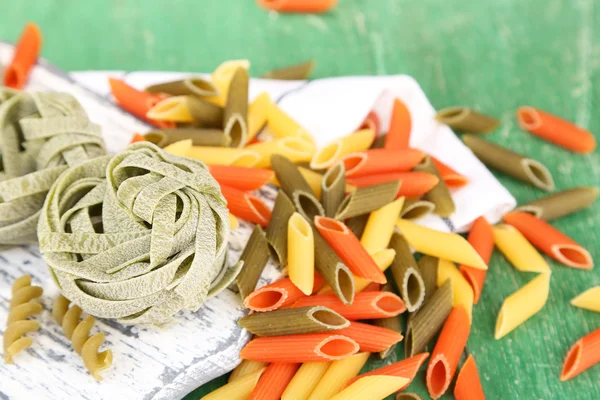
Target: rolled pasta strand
190	86
481	237
379	161
462	292
294	148
333	152
519	252
380	226
398	136
583	355
235	115
301	253
333	189
589	300
416	208
305	380
25	57
439	194
300	71
336	376
560	204
376	387
466	119
513	164
406	274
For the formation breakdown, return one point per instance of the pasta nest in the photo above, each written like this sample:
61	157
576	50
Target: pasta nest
137	236
41	135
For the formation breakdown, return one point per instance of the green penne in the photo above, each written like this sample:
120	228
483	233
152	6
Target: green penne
562	203
440	194
299	71
255	257
333	189
357	224
408	396
190	86
277	231
235	117
513	164
289	176
392	323
406	274
293	321
329	265
379	142
428	321
307	205
466	119
158	138
203	113
416	208
428	267
199	136
367	199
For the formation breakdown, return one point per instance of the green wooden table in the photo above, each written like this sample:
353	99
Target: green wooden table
493	55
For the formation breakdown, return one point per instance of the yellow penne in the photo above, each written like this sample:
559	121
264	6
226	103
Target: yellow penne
257	113
337	375
221	78
240	388
590	299
305	380
294	148
301	253
355	142
246	367
171	109
314	181
233	222
181	148
447	246
224	156
522	304
380	226
373	387
282	125
521	254
462	292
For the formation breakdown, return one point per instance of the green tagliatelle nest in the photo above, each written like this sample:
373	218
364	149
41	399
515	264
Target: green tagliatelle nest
138	236
41	135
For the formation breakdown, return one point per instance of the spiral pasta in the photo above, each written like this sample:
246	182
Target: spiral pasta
22	306
78	332
41	135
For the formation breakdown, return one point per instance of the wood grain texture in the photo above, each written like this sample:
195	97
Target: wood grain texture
491	55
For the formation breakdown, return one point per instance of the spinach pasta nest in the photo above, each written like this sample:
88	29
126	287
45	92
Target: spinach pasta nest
137	236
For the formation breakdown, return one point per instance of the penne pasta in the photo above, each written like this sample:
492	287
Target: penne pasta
289	176
333	189
190	86
583	355
439	194
376	387
556	130
305	380
273	381
380	161
300	348
406	274
392	323
199	137
447	246
221	155
519	252
462	292
466	119
358	224
468	384
295	148
278	228
233	222
481	237
337	375
293	321
282	125
398	136
221	78
379	142
562	203
522	305
246	206
447	352
27	51
307	205
258	111
366	305
380	226
187	109
428	268
329	265
276	295
139	138
238	389
408	396
136	102
370	338
244	368
407	368
451	178
301	253
242	178
428	321
314	180
589	300
372	122
235	115
181	148
367	199
300	71
550	240
414	184
416	208
299	6
348	248
513	164
333	152
255	257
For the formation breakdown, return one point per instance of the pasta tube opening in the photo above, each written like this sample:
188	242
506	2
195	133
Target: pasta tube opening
529	118
538	174
389	303
346	283
416	209
440	377
326	155
246	158
572	362
573	256
307	205
354	162
328	317
266	300
201	87
236	130
337	347
170	109
414	287
530	209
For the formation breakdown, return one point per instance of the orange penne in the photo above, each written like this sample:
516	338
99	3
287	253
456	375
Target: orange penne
407	368
27	51
481	238
273	381
276	295
414	184
550	240
328	346
242	178
246	206
370	338
378	161
451	178
371	287
137	102
447	351
137	138
366	305
348	248
468	384
556	130
584	354
398	136
371	122
298	6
